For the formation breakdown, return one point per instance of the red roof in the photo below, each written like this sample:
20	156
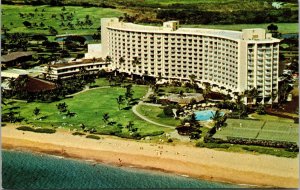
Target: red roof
37	85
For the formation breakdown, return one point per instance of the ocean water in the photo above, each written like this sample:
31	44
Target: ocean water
23	170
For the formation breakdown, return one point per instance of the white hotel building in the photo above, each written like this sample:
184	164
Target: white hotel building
234	60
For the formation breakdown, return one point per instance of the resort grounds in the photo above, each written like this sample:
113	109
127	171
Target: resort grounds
238	168
155	142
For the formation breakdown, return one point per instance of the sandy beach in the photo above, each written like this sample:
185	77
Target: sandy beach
238	168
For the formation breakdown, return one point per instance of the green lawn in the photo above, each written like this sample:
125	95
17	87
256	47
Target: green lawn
273	128
89	108
282	27
156	114
12	20
101	82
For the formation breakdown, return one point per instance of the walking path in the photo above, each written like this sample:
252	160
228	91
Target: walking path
146	119
87	89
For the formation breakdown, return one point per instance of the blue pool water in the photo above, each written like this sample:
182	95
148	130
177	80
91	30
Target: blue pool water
205	115
22	170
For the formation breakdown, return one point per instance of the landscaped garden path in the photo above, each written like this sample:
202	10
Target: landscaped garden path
146	119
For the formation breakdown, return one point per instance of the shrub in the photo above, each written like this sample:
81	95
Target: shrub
25	128
93	137
170	140
39	130
288	146
44	130
78	133
3	124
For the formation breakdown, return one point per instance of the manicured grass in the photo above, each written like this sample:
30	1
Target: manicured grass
89	107
156	114
282	27
273	128
101	82
11	15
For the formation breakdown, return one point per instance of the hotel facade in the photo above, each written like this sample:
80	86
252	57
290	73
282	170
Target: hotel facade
230	60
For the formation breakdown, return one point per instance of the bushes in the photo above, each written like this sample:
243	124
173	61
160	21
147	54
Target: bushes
288	146
275	152
93	137
78	133
45	130
38	130
25	128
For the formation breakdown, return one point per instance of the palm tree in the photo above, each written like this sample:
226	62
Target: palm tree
48	71
284	90
207	89
192	78
121	61
217	118
136	61
108	60
62	107
120	100
252	95
36	111
129	126
128	94
273	97
105	118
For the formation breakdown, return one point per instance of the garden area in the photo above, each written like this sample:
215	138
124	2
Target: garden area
96	111
156	114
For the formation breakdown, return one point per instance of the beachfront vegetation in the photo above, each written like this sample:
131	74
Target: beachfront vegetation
37	130
90	106
246	148
93	137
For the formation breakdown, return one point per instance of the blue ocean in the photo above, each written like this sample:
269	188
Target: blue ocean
24	170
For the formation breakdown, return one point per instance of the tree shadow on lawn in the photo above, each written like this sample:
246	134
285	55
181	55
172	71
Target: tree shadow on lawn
13	108
127	108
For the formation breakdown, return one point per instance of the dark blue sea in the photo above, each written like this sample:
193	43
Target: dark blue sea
24	170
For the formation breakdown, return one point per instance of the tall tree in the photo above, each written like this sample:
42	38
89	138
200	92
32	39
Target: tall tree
130	125
216	117
105	118
62	107
36	111
136	61
120	100
108	59
128	94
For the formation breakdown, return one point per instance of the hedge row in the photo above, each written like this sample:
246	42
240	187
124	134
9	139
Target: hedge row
93	137
78	133
289	146
39	130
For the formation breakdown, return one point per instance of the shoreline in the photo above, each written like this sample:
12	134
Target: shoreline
183	160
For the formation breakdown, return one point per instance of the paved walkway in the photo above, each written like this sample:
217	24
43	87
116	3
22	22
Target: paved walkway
146	119
87	89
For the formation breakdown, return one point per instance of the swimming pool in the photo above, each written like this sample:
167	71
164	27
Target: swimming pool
205	115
